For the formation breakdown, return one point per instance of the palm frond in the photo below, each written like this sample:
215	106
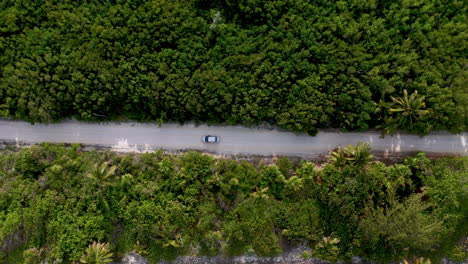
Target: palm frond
97	253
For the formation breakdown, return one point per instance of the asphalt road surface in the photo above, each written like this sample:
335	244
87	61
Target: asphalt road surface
234	139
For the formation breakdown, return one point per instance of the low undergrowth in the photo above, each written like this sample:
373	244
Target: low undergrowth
55	201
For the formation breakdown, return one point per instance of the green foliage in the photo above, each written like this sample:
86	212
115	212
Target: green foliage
97	253
302	65
404	112
55	201
404	226
458	253
358	155
252	225
34	256
299	220
375	209
417	261
285	166
102	172
327	249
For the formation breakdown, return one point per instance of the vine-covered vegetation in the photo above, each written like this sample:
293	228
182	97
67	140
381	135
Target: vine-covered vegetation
300	64
59	203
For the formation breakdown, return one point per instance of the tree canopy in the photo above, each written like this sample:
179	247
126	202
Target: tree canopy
53	206
302	65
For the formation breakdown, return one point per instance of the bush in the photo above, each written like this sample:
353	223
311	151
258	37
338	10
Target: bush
163	206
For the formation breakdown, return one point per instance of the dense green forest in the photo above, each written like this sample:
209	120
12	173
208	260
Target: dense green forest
55	201
299	64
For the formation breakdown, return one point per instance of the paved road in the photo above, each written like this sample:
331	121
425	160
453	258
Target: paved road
234	139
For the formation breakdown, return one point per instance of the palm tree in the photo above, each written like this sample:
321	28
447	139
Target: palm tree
358	155
102	172
328	249
97	253
417	261
338	158
410	107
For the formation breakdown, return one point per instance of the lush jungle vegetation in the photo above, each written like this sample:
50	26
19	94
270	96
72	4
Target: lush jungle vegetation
61	203
299	64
